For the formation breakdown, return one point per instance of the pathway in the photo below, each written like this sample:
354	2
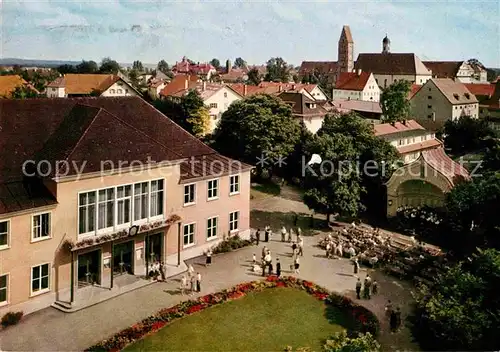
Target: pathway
52	330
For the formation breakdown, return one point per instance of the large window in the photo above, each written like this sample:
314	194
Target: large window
4	281
190	194
233	220
234	184
156	198
212	227
40	278
189	234
4	234
106	208
123	204
41	226
141	202
212	187
87	211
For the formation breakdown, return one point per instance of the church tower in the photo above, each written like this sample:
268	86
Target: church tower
345	61
386	45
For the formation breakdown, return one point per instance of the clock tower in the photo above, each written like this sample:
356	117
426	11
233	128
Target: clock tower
345	62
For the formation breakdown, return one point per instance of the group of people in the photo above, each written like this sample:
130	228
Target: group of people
157	270
266	262
267	235
190	283
394	316
369	287
336	249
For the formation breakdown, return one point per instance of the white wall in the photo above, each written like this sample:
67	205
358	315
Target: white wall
371	92
347	94
55	92
222	98
119	89
313	124
385	81
471	110
318	94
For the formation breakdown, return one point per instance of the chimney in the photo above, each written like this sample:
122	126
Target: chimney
279	88
293	86
358	72
186	82
244	90
204	86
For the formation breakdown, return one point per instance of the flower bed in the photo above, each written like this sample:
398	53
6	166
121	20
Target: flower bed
364	320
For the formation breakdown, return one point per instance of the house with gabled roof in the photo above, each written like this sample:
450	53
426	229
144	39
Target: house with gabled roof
356	86
462	71
80	85
96	194
8	83
309	111
442	99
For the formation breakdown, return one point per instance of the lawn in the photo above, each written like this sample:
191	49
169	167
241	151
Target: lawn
261	321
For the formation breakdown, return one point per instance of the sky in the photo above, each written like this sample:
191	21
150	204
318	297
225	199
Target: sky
254	30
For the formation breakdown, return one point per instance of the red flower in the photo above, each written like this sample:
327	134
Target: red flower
195	308
308	283
157	325
272	278
207	298
236	295
280	284
362	318
320	296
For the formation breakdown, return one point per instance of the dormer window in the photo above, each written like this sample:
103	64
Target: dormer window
467	95
456	96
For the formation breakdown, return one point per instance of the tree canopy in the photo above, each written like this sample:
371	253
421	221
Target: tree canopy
109	66
466	134
340	342
137	65
261	126
254	77
461	311
163	66
64	69
277	70
323	80
239	63
215	63
23	92
87	67
395	103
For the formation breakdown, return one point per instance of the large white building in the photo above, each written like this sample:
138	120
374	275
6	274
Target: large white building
356	86
461	71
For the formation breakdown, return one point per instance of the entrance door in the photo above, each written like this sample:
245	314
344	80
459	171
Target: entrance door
154	248
123	258
89	268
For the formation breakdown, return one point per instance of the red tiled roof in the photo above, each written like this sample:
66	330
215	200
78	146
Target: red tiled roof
431	143
454	172
387	128
391	63
413	90
324	67
186	67
483	89
352	81
76	83
178	84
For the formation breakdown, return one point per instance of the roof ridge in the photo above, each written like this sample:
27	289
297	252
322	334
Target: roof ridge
85	132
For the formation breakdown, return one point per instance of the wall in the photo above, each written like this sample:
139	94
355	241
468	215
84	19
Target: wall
347	94
114	90
438	103
318	94
385	81
22	254
55	92
223	98
371	92
313	124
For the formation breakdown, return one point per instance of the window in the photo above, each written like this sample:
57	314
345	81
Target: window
123	204
400	142
119	91
106	206
190	194
429	106
126	91
53	89
212	187
156	198
112	91
213	105
456	107
234	184
86	211
141	200
429	97
233	221
40	278
189	235
212	227
4	280
41	226
225	94
4	234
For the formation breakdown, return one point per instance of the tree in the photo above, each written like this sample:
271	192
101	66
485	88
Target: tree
259	128
277	70
461	310
341	343
491	159
466	134
137	65
254	77
323	80
109	66
87	67
239	63
163	67
394	102
23	92
64	69
215	63
133	75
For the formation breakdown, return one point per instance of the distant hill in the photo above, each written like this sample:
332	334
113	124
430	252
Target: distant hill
52	63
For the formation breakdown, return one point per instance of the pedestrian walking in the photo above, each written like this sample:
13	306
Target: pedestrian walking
398	318
266	234
198	282
264	252
328	249
358	288
162	272
294	248
278	267
367	286
183	284
388	308
270	266
290	234
263	264
190	270
193	285
393	321
301	245
257	236
295	220
283	234
339	250
297	265
356	266
254	260
375	287
209	258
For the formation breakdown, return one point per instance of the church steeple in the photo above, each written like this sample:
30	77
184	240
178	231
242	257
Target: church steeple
345	62
386	45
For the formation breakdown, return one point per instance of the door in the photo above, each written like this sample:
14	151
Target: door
154	249
123	258
89	268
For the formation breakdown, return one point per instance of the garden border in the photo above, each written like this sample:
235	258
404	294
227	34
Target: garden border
365	320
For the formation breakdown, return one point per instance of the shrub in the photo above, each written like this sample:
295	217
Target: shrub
11	318
230	244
